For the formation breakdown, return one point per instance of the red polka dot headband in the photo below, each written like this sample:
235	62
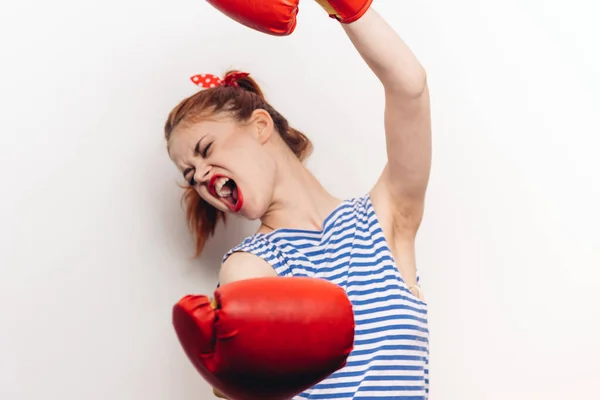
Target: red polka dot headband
208	81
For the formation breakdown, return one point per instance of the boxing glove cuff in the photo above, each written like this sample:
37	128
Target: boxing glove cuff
345	11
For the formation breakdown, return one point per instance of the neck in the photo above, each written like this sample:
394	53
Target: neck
300	201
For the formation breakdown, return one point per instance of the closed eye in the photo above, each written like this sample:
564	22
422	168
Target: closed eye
190	180
205	152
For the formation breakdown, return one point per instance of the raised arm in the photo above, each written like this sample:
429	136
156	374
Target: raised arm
403	182
407	114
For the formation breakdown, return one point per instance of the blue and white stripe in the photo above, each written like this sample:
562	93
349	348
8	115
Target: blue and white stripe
390	359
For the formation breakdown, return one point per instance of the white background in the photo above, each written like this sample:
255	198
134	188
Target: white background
94	250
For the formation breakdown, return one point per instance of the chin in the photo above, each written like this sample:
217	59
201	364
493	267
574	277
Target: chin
251	216
251	212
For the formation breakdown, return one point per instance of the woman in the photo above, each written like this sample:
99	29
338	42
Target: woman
240	156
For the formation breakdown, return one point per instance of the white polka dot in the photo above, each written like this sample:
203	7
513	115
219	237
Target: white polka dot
212	85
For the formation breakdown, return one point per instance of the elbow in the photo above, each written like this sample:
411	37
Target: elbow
419	83
409	84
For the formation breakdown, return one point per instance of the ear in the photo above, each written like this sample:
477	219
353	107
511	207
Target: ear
262	125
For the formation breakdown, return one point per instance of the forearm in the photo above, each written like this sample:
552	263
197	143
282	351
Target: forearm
386	54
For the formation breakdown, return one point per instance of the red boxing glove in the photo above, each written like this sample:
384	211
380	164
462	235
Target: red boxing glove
267	338
278	17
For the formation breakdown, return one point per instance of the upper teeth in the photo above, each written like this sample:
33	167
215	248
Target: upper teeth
220	189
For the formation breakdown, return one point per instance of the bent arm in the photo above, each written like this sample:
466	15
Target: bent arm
240	266
407	111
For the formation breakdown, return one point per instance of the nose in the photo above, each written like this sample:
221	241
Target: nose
202	174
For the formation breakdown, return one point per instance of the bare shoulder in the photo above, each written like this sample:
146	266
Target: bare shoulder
243	265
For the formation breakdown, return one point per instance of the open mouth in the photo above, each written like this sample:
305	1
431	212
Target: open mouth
226	190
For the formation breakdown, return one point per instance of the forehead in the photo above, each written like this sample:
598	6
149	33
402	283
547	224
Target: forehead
185	137
182	143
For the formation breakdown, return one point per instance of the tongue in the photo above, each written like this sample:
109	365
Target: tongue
234	195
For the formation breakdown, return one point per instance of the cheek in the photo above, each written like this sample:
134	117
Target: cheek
259	181
250	162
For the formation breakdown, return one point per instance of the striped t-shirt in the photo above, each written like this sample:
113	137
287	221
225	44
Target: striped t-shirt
390	359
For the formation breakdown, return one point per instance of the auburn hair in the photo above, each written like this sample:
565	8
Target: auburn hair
238	102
